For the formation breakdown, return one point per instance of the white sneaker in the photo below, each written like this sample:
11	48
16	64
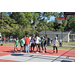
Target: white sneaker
37	52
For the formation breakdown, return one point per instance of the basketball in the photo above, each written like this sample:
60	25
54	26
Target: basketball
54	51
15	49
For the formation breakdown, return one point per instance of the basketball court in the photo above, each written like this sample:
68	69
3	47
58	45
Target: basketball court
7	55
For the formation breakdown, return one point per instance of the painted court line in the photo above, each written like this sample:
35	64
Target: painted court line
6	53
37	58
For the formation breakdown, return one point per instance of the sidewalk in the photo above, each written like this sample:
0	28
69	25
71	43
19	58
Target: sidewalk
68	45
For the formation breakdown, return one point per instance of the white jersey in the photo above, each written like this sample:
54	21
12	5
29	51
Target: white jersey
29	40
55	42
24	40
37	40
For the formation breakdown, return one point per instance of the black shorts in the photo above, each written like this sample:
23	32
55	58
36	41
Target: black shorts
45	43
32	45
21	46
36	44
24	45
42	44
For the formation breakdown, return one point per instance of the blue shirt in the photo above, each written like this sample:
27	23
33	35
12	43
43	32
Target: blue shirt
32	40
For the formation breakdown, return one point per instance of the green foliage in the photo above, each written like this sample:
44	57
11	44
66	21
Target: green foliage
16	23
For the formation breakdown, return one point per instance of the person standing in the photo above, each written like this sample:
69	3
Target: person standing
16	45
24	42
42	43
32	44
27	41
60	43
45	43
55	45
21	44
37	43
30	41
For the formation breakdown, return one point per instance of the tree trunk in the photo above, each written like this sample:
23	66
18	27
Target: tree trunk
34	27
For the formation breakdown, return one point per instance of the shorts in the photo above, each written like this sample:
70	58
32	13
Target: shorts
36	44
24	45
21	46
16	46
45	44
42	44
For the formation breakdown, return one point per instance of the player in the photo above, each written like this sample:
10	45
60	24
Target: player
37	43
16	45
55	45
45	43
42	43
24	42
21	43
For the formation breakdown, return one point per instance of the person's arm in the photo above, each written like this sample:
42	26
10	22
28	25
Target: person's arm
18	42
14	43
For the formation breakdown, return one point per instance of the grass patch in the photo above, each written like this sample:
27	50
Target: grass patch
69	48
51	47
9	44
69	43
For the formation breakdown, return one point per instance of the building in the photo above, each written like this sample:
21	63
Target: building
65	36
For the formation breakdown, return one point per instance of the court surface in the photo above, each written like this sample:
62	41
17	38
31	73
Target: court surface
7	55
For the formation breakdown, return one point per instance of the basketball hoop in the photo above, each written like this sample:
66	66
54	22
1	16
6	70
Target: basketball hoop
60	19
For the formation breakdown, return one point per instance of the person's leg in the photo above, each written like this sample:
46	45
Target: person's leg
42	46
53	49
56	50
33	47
26	48
21	48
17	48
39	47
45	47
36	47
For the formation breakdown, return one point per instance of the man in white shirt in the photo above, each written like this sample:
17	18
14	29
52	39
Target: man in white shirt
37	43
55	45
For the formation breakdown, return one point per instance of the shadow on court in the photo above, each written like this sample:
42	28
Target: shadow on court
62	55
17	54
65	61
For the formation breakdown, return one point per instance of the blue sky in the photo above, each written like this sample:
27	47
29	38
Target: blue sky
52	18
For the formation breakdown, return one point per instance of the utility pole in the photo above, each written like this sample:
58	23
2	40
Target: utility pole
2	18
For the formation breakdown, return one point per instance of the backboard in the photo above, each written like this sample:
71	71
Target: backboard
68	13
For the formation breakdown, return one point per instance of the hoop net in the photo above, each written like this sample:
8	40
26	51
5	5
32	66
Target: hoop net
60	19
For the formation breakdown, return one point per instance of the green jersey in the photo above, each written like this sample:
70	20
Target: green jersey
16	42
41	40
21	42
